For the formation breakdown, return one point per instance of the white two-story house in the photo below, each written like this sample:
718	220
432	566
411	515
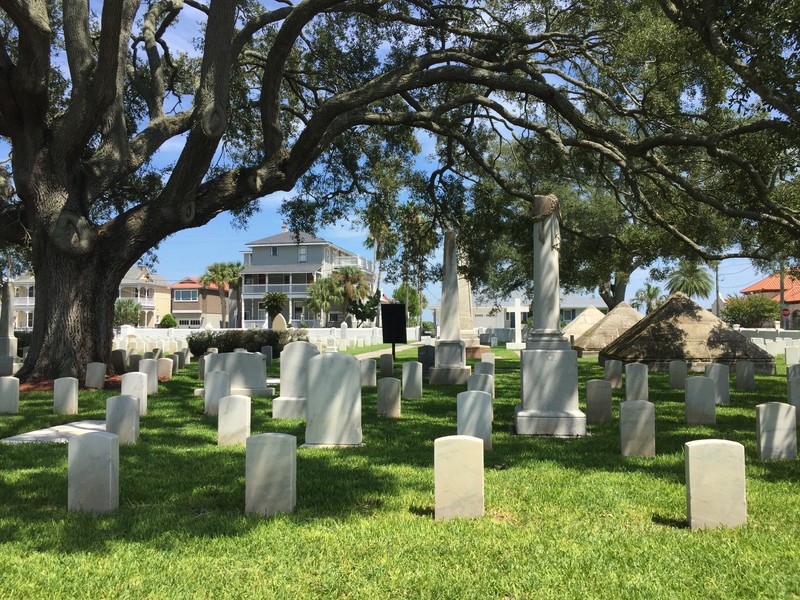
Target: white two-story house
280	264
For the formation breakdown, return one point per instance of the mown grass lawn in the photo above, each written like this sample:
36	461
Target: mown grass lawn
564	518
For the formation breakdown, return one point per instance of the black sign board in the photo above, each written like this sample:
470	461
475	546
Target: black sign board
393	321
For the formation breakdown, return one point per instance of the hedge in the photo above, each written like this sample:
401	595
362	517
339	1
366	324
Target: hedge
251	340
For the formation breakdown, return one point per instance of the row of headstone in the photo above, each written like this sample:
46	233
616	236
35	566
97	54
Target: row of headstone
93	467
744	370
637	378
271	474
715	477
699	405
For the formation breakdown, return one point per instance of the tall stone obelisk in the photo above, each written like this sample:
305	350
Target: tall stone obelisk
465	314
549	367
450	364
8	342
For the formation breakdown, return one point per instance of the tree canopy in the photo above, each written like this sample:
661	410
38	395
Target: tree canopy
679	107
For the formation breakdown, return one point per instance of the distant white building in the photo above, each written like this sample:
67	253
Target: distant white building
501	315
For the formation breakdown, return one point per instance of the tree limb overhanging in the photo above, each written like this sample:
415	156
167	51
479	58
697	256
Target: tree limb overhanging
320	96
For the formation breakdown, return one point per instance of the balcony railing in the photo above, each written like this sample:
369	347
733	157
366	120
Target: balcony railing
290	289
145	303
25	301
353	261
29	302
258	324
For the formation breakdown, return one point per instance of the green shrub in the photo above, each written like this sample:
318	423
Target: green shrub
250	339
167	322
750	311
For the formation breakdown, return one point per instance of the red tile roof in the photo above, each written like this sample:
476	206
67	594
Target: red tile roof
791	287
190	283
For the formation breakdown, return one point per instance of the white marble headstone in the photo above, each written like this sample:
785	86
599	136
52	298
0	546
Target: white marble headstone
715	484
458	477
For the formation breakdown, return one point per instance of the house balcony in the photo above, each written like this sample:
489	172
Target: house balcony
259	324
353	261
24	302
293	290
145	303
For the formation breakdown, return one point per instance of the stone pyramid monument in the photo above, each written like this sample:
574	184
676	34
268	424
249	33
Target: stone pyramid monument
580	324
682	330
621	318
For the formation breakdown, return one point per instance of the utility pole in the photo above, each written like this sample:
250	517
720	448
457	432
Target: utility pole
782	302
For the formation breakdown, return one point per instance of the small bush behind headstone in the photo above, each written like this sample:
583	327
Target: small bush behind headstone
250	339
167	322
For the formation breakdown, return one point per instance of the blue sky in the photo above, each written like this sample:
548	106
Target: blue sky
188	252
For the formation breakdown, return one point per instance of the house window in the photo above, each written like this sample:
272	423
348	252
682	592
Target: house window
190	323
31	292
274	251
184	295
302	254
29	319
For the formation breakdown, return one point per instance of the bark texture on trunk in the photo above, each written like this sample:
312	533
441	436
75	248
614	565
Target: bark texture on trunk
75	298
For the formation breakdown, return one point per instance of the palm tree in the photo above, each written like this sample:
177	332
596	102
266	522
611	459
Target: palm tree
222	275
649	297
322	294
691	279
352	284
381	236
273	303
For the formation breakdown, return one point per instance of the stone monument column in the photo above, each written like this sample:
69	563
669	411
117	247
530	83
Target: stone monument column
549	367
546	331
8	342
465	314
450	364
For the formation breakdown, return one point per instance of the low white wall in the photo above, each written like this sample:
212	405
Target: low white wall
177	333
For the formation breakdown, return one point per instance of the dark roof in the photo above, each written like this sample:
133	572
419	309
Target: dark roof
293	268
287	238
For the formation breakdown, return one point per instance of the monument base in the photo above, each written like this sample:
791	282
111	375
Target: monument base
550	394
449	375
547	341
549	423
451	353
8	346
287	407
331	445
9	365
266	392
476	351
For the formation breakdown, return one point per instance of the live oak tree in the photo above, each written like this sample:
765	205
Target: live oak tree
310	96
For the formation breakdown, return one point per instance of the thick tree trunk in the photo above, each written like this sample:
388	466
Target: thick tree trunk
75	298
613	293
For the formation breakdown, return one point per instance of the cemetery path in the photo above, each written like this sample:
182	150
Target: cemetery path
377	353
